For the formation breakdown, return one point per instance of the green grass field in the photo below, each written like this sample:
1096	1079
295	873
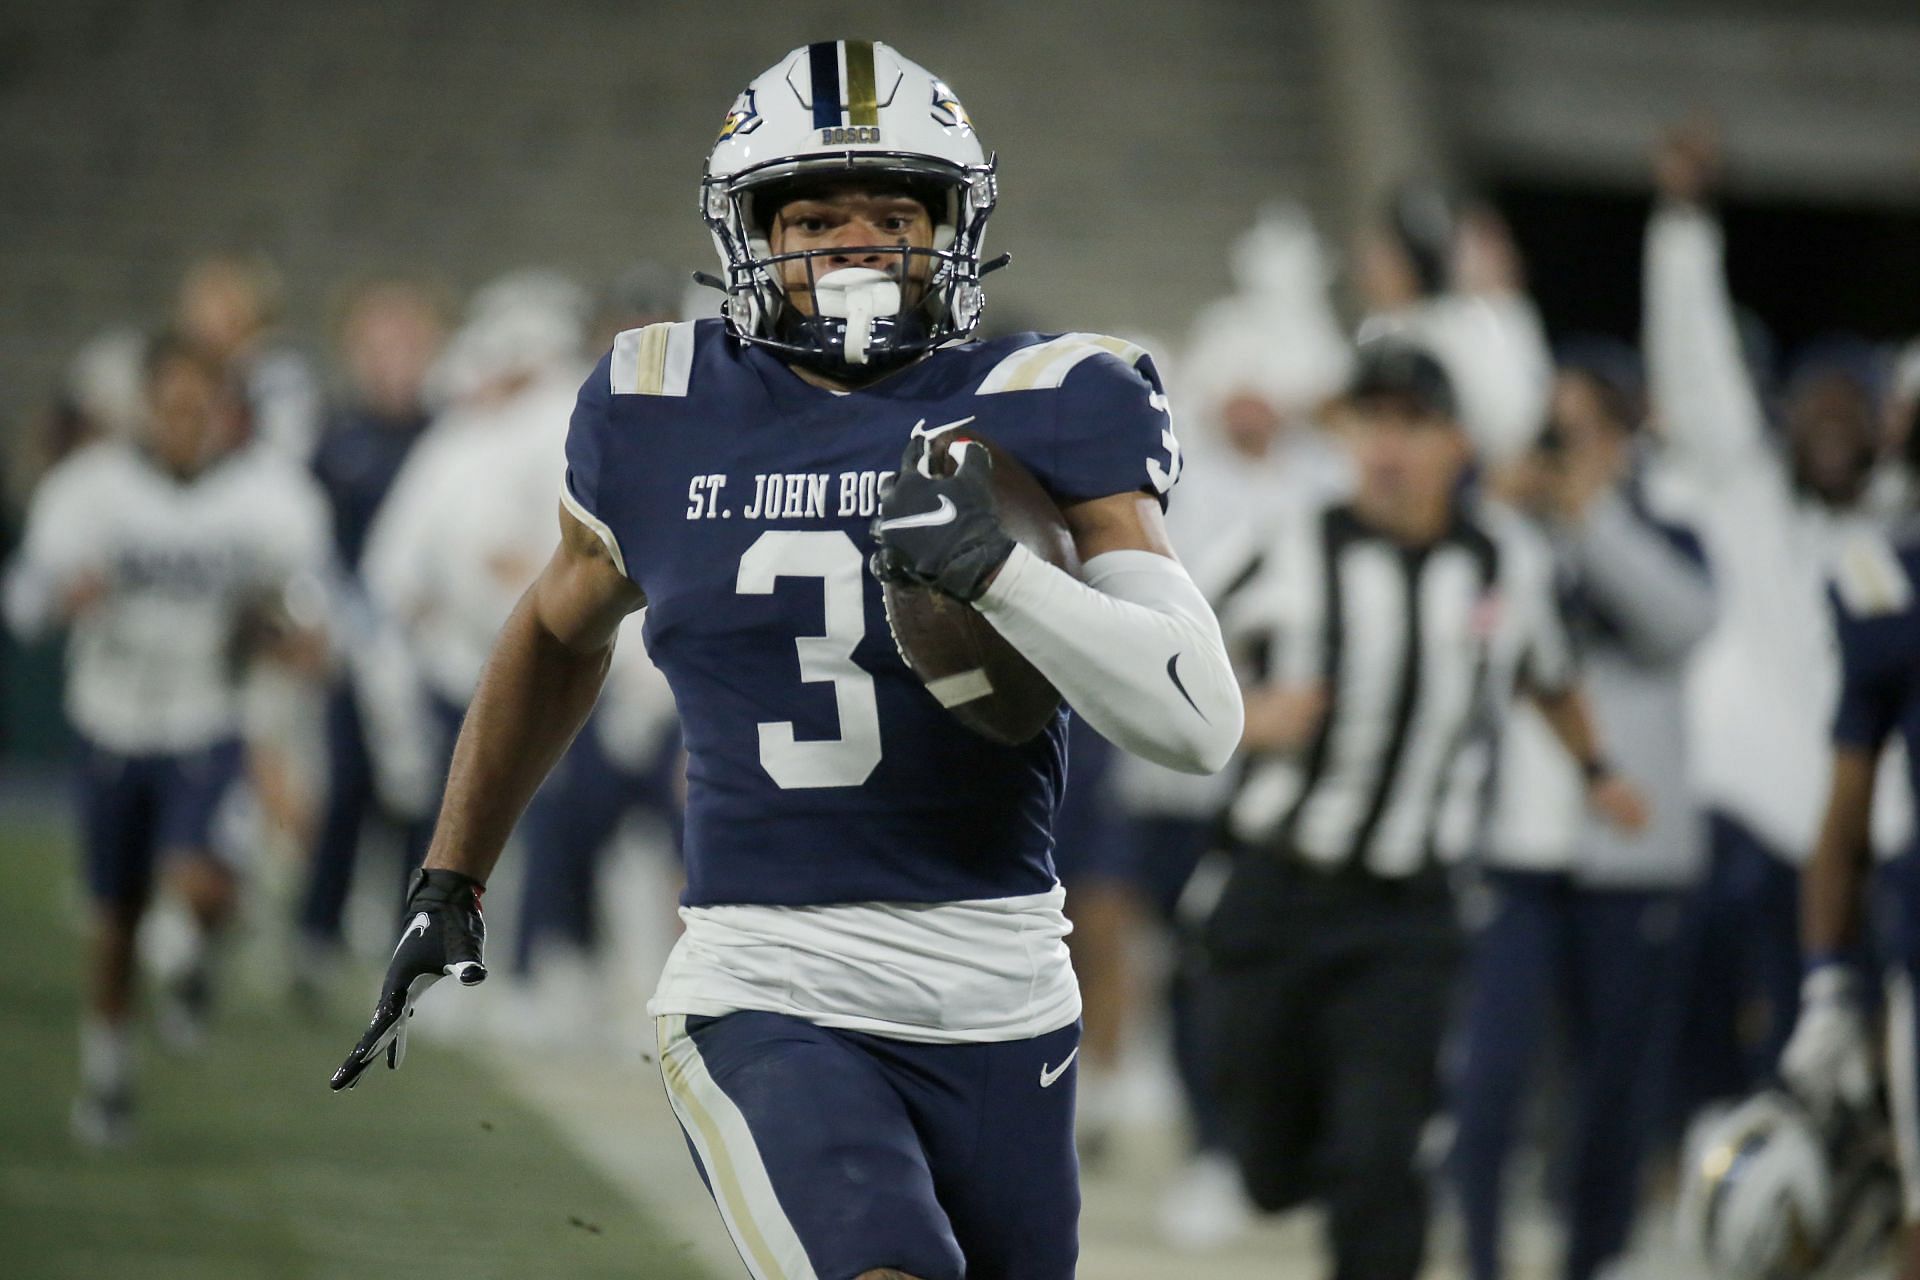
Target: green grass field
246	1166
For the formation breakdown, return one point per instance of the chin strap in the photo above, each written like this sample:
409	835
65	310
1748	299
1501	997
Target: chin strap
856	295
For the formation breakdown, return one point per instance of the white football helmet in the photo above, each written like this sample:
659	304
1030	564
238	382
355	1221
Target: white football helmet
825	113
1767	1194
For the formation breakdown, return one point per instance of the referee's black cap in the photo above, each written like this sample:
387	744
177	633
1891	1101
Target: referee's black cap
1395	368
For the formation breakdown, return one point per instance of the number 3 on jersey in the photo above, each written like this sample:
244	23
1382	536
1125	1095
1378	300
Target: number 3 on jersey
832	557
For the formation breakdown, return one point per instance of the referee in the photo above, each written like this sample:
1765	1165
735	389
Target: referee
1376	634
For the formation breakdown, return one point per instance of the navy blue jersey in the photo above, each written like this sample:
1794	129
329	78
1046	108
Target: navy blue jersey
739	498
1878	622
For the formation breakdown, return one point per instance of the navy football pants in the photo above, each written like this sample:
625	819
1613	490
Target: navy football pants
1605	961
1326	1001
833	1153
135	810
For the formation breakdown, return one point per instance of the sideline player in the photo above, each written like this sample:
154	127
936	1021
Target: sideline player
869	1026
1829	1058
158	555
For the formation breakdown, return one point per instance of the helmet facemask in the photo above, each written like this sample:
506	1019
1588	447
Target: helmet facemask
863	322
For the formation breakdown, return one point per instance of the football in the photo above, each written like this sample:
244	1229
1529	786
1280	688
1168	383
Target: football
969	667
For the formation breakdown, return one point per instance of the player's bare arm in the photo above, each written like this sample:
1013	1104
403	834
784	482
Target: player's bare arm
1831	882
542	680
1121	522
539	684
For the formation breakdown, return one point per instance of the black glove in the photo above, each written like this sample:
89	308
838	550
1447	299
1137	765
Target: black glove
941	531
443	938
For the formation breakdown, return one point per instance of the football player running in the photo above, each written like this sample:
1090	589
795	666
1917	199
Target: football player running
869	1026
160	557
1829	1060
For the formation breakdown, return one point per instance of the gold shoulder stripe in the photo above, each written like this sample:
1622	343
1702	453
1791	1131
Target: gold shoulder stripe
652	361
1870	579
1047	364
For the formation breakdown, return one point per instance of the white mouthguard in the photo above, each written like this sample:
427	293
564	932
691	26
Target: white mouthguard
857	295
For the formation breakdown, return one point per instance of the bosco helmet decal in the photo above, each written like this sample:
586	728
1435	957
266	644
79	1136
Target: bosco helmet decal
849	111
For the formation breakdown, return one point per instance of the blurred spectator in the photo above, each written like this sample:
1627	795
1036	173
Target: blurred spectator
1764	683
230	304
470	517
625	760
101	396
1259	367
105	382
1585	920
1373	633
472	513
1451	279
389	338
160	557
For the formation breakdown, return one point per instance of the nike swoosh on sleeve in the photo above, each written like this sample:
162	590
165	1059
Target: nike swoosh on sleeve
1174	676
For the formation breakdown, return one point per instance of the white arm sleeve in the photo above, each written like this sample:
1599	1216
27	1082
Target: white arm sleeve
1134	648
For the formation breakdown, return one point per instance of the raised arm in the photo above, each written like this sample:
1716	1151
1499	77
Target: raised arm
1703	397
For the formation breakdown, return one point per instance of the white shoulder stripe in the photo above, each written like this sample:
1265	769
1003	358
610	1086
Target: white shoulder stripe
578	510
656	360
679	371
1048	363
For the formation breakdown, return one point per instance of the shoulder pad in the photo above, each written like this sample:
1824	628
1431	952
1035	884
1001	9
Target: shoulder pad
1870	580
656	360
1047	364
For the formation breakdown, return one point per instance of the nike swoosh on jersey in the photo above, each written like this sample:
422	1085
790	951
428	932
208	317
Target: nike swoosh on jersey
923	432
1174	676
921	428
1048	1077
942	514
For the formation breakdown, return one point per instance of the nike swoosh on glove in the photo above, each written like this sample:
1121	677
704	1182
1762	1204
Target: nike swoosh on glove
1828	1060
941	531
443	937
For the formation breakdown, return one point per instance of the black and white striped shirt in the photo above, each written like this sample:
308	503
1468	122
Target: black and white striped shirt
1416	647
